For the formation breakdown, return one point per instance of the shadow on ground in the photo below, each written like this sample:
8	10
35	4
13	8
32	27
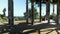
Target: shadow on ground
19	29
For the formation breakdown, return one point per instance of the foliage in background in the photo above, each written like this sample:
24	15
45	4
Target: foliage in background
52	16
29	13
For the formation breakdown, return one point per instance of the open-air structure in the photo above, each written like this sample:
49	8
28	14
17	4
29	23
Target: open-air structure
20	28
47	2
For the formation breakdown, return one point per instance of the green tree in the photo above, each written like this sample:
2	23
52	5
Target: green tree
29	13
4	10
51	16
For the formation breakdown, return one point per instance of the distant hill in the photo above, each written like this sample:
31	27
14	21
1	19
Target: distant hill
19	16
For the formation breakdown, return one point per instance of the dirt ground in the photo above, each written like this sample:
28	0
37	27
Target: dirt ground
46	31
39	31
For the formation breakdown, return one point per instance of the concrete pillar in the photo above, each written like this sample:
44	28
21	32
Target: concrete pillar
32	12
10	12
40	10
27	11
58	12
48	10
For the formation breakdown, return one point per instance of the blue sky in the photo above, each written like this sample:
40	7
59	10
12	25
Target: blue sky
20	7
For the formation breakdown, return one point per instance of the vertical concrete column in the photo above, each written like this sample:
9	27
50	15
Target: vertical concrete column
40	10
27	11
10	12
48	10
32	12
58	12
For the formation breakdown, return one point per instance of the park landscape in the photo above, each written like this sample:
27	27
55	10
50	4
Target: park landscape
33	22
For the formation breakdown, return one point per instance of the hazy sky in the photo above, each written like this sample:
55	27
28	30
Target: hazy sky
20	7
